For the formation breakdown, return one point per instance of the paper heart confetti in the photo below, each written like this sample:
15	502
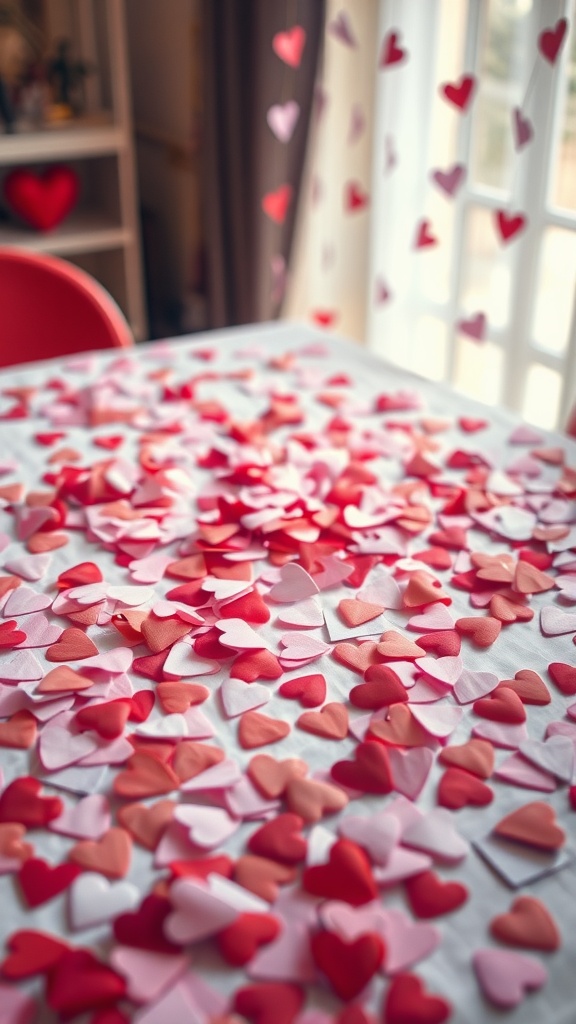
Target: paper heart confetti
506	977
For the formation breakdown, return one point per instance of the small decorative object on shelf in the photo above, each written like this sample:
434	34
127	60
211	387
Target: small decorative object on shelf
42	200
14	55
66	78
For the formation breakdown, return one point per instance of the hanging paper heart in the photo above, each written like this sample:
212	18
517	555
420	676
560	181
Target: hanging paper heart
509	225
391	52
282	119
474	327
460	93
42	200
275	204
522	127
551	39
289	45
451	180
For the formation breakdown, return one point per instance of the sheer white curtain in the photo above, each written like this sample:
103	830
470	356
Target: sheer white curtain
494	317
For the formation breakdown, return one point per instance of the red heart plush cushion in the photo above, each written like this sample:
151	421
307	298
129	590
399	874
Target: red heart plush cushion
42	200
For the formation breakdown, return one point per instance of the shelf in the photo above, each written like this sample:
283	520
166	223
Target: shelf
82	232
61	144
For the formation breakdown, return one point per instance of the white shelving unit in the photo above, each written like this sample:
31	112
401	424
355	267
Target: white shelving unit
102	234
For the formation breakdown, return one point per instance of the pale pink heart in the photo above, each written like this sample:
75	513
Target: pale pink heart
24	601
378	834
520	772
244	801
555	622
9	865
172	726
554	755
278	272
58	747
352	922
88	593
340	28
435	616
239	635
24	667
174	1005
198	724
314	1017
148	974
505	976
557	511
219	776
197	913
183	662
563	728
474	327
29	567
381	588
207	1003
150	569
295	585
501	484
131	597
43	710
39	632
508	521
426	690
302	647
450	181
410	769
406	811
357	519
334	572
525	466
17	1007
88	819
407	942
522	128
438	720
12	700
567	585
111	663
357	124
282	119
207	826
401	865
288	958
524	434
115	752
435	833
472	685
174	845
501	734
320	842
446	670
225	590
306	614
238	696
92	899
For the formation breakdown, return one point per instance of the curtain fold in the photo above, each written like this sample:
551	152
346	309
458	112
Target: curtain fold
248	163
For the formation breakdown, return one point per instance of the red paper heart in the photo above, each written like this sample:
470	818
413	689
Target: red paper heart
10	635
429	896
483	630
144	928
444	643
249	607
281	839
347	875
275	204
391	53
424	238
349	966
369	772
354	197
564	676
535	824
528	924
253	665
325	317
381	688
271	1002
41	882
289	45
239	942
459	94
528	686
309	690
458	788
509	225
80	982
551	39
79	575
503	705
21	802
107	719
407	1002
31	952
42	200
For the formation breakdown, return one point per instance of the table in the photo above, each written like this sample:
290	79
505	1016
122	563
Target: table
180	480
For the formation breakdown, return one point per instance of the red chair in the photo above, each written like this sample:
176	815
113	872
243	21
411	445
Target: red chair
49	307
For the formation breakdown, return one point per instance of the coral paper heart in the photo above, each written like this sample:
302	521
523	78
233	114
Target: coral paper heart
331	722
72	645
288	46
534	824
349	966
476	756
407	1002
458	788
503	706
110	855
257	730
271	776
275	204
42	200
281	839
529	924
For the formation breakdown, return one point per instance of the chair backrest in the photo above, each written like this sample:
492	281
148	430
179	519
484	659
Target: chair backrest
49	307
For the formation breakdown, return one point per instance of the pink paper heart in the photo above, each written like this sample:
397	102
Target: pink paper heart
435	616
24	667
302	647
555	622
282	119
40	632
401	865
238	634
438	720
436	834
238	696
23	601
523	130
506	976
116	752
473	685
520	772
29	567
524	434
295	585
197	914
218	776
110	663
554	755
378	834
183	662
382	588
147	973
410	769
473	327
95	900
501	734
244	801
17	1007
306	614
58	747
334	571
286	959
150	569
88	819
446	670
450	181
207	826
351	922
407	942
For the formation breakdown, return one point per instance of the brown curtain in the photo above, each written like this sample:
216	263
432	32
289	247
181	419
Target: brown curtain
244	161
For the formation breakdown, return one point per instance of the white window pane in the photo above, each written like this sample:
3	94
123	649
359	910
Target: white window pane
446	122
564	191
555	289
503	73
430	348
478	369
542	397
486	272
